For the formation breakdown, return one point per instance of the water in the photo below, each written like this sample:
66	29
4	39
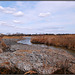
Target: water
28	42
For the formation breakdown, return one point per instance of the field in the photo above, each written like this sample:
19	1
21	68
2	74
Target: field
67	41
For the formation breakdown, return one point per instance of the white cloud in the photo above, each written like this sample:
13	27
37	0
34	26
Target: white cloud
19	14
16	21
44	14
56	13
3	23
54	6
7	10
1	8
10	10
23	28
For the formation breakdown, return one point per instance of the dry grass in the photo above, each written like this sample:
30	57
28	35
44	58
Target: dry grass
14	70
4	46
0	38
30	72
67	41
12	37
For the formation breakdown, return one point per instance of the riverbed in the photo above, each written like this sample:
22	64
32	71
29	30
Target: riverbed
27	41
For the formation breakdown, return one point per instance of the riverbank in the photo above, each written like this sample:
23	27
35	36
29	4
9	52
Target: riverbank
24	59
13	45
66	41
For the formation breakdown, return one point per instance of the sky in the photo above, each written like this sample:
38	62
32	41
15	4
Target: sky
30	17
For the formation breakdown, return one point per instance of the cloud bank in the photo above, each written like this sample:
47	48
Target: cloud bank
38	16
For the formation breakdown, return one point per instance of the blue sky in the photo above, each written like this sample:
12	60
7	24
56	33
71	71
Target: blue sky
37	17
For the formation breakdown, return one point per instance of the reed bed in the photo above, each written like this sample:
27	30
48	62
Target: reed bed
67	41
12	37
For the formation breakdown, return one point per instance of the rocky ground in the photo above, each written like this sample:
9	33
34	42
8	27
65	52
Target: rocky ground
12	43
35	59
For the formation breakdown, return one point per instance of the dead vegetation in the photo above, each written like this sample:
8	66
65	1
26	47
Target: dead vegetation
15	70
31	72
67	41
61	71
4	46
12	37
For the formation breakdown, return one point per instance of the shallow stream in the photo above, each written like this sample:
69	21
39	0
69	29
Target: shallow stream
28	42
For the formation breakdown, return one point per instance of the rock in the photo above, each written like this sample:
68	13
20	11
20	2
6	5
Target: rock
7	66
1	51
43	61
72	68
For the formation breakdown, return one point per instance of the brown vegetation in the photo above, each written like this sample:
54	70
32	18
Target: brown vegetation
14	70
30	72
12	37
1	51
67	41
0	38
4	46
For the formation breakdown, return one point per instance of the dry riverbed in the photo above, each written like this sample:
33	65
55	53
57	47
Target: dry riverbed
23	59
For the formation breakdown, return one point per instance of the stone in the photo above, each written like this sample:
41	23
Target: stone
43	61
